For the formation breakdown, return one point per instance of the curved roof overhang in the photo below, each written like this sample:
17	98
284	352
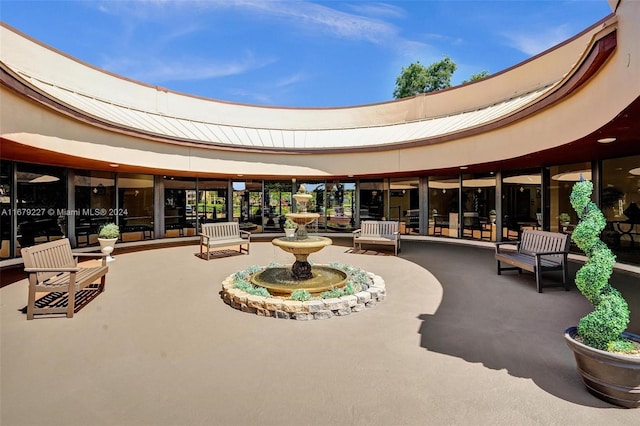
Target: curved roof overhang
496	122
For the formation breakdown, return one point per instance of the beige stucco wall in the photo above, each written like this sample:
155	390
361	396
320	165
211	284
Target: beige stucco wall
611	90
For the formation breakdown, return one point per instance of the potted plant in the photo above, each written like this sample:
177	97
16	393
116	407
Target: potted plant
107	237
492	216
564	219
290	228
608	358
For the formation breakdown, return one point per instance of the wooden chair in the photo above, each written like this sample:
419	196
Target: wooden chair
52	267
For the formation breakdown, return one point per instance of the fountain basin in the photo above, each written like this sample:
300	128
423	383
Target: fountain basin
281	282
301	248
306	246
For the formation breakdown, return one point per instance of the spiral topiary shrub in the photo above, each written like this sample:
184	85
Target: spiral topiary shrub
601	328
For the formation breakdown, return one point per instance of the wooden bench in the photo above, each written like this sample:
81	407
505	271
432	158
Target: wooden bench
52	267
222	234
537	251
384	232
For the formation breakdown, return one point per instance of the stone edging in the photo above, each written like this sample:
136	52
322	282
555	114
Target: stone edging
304	311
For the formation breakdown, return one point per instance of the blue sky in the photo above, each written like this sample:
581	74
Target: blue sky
297	53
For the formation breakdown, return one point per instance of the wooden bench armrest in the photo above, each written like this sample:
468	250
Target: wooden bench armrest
90	254
357	231
547	253
52	269
502	243
102	256
507	243
247	233
204	236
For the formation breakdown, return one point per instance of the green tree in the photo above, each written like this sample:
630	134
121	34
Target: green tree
417	78
477	76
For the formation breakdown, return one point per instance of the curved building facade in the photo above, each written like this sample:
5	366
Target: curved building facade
82	147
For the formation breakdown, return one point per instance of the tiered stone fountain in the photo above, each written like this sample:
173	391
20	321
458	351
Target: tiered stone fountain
301	275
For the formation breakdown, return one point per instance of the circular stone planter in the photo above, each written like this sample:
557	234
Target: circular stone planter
303	311
612	377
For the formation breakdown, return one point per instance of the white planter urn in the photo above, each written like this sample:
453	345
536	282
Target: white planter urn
289	232
106	246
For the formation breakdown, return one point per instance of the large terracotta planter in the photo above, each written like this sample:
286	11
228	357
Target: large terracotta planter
614	378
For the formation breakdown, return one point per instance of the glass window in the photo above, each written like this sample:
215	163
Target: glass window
443	203
620	203
135	206
521	202
316	204
179	206
212	204
478	203
562	216
41	202
373	199
405	204
95	201
6	216
247	204
278	202
340	206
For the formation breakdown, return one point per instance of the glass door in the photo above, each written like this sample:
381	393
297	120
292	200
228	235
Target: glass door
521	203
247	205
443	202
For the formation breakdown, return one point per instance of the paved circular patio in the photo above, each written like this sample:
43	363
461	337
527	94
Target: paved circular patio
160	347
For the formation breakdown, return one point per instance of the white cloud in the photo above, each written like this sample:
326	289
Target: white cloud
291	80
154	70
385	10
534	43
314	17
304	15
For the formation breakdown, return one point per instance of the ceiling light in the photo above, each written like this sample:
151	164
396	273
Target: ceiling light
524	179
114	165
606	140
44	179
573	176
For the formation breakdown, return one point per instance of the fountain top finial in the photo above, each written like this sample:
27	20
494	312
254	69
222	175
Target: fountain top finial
302	189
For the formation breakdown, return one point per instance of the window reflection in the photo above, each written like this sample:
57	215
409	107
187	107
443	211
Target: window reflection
248	205
278	202
212	202
478	203
620	203
340	206
41	202
521	203
405	204
562	217
373	197
95	204
135	206
443	205
6	221
179	206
